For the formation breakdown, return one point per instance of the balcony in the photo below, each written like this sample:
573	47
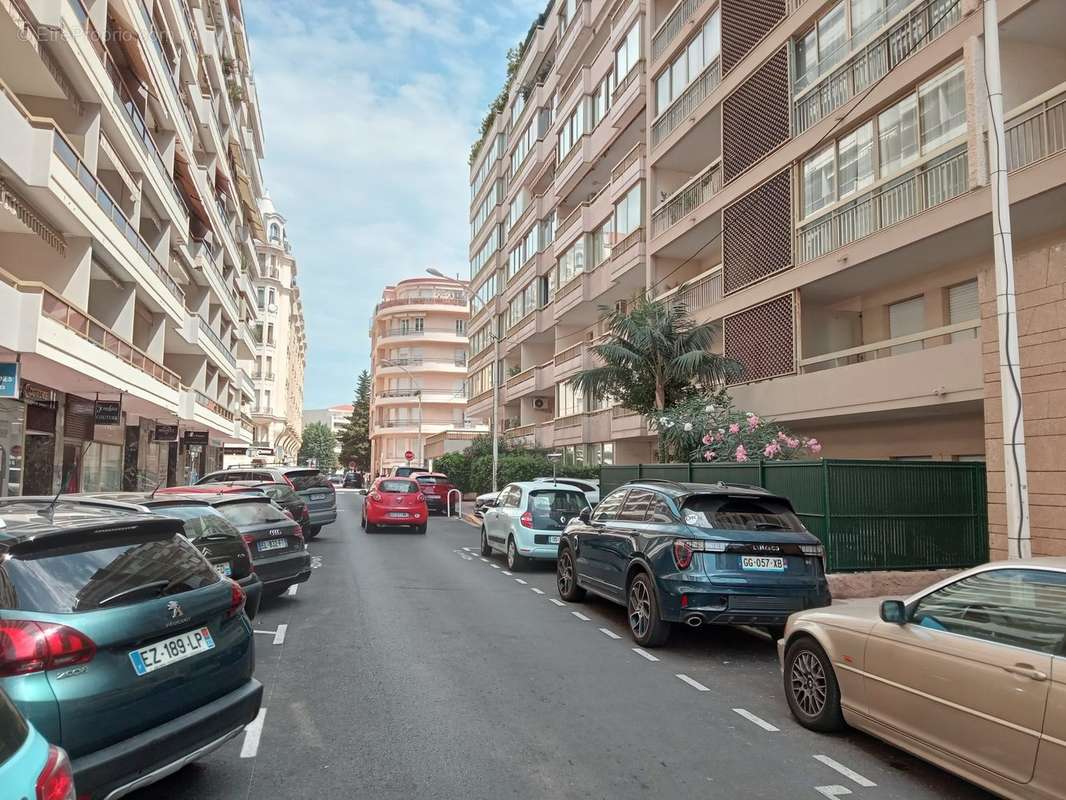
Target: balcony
591	426
246	384
1037	129
443	334
698	293
683	106
687	199
626	424
627	171
223	350
671	27
453	300
567	363
624	97
574	36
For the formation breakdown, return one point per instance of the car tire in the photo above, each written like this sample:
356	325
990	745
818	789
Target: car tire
646	625
486	548
515	561
313	531
776	632
421	528
566	578
273	592
369	527
811	687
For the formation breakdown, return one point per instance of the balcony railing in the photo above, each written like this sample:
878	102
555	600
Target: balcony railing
628	160
70	158
869	64
209	332
682	108
520	377
923	340
687	199
263	376
704	291
927	186
636	72
214	407
1036	132
511	423
457	300
673	25
418	332
399	393
565	355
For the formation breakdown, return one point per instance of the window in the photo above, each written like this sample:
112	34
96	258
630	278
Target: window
702	49
1016	607
517	207
484	211
608	507
271	298
568	400
526	249
479	340
740	514
600	100
518	106
898	135
571	262
483	171
491	245
905	318
460	357
553	508
275	232
270	333
420	324
818	181
261	298
460	327
636	505
963	306
599	245
627	213
659	511
487	290
572	129
628	53
510	497
855	164
526	141
942	108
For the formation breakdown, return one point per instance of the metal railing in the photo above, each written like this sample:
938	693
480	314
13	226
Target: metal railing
457	300
673	25
565	355
899	345
214	337
214	407
687	199
619	248
419	332
408	361
1036	132
635	73
686	103
399	393
628	160
872	62
699	293
521	377
929	185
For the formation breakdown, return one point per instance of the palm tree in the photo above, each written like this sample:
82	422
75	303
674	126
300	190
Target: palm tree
654	354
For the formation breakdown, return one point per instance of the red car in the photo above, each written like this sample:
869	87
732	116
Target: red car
395	501
436	486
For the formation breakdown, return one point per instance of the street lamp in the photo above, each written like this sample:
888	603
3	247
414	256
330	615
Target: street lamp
494	428
388	362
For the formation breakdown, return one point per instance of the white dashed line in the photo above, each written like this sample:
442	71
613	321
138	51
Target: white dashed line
832	791
252	731
508	574
279	636
766	726
292	589
644	654
580	616
494	566
559	603
845	771
519	580
469	549
695	684
535	590
609	633
484	559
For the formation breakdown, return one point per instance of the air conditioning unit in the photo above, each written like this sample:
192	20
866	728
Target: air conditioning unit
538	403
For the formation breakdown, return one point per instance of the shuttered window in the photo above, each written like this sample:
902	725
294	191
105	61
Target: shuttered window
904	319
963	307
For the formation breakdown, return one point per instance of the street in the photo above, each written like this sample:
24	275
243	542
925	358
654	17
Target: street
409	666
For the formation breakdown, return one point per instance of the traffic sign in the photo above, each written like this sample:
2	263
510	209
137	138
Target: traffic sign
408	455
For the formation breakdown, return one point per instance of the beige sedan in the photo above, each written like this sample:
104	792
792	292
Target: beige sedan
969	674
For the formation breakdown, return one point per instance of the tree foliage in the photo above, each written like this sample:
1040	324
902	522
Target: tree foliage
514	58
471	469
355	435
318	443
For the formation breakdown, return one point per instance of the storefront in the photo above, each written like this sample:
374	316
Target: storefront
12	434
42	409
150	455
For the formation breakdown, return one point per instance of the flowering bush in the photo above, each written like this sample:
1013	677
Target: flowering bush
709	428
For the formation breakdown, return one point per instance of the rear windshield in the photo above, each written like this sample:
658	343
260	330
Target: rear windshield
86	578
740	514
280	492
431	480
553	508
13	730
251	513
199	520
404	472
307	479
398	487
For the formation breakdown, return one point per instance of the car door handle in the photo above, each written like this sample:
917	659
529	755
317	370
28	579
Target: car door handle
1027	671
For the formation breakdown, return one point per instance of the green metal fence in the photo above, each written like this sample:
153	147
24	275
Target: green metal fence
870	515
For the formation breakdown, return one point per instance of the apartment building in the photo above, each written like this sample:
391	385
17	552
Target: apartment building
130	141
418	361
335	418
815	184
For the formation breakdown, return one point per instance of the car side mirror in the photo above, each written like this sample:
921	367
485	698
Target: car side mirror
894	611
491	503
585	515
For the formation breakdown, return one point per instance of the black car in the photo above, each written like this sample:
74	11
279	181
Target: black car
694	553
283	495
279	554
210	533
353	480
309	483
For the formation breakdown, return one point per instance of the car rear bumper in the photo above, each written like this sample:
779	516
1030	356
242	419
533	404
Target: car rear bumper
323	516
288	568
718	605
253	590
148	757
548	552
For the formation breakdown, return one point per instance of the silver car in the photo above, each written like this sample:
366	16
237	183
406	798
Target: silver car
527	520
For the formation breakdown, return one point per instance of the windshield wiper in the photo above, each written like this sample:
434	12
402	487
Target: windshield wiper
155	588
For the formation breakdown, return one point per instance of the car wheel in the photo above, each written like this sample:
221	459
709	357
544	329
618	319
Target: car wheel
486	548
369	527
777	632
274	591
362	522
421	528
313	531
811	687
515	561
648	628
566	578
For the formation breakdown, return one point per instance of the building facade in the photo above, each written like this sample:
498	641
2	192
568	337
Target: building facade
418	360
334	417
811	178
130	141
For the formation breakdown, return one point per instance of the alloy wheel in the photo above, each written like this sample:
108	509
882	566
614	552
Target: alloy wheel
809	684
512	554
566	574
639	609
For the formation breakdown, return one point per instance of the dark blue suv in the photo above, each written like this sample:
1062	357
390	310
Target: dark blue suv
694	553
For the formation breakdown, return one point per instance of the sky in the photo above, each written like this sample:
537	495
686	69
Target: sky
369	108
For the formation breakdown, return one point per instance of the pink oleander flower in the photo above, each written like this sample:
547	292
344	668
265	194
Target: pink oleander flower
782	435
793	443
771	450
720	436
742	453
707	438
709	455
814	447
734	428
753	422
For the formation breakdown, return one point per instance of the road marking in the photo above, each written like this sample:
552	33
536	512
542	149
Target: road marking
252	731
535	590
832	791
580	616
609	633
292	589
519	580
644	654
469	549
846	772
484	559
508	574
559	603
279	636
766	726
695	684
494	566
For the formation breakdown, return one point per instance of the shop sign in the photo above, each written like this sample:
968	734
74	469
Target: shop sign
165	433
195	438
9	380
107	412
35	393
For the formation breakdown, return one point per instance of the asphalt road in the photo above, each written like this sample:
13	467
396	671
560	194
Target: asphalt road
409	667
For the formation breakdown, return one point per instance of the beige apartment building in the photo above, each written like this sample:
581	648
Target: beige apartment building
418	359
335	418
812	178
130	141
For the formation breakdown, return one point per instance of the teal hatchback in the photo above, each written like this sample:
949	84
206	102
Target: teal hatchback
119	641
29	766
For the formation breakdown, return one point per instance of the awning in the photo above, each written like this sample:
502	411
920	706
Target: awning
124	31
184	176
244	190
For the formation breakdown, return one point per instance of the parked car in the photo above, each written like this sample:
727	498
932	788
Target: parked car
483	501
210	533
29	766
395	501
353	480
406	471
309	483
108	617
336	481
281	493
528	519
969	674
694	553
436	487
590	486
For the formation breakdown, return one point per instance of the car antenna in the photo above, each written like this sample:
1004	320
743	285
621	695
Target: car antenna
156	489
50	511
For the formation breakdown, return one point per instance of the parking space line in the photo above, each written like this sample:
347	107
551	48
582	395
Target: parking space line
484	559
292	589
832	791
580	616
846	772
559	603
519	580
252	731
766	726
494	566
508	574
609	633
535	590
645	654
279	635
695	684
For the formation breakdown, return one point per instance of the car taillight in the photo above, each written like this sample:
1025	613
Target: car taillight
249	539
56	781
236	600
375	497
683	553
291	484
526	519
288	514
298	533
27	646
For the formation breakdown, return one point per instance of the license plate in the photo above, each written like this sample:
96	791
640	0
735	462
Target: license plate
225	570
553	540
399	514
763	563
176	648
272	544
318	497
